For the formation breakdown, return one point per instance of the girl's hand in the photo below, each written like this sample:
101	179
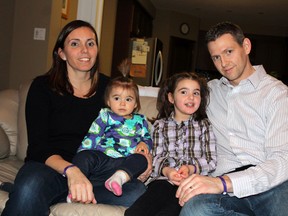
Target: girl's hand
80	188
142	148
184	171
172	174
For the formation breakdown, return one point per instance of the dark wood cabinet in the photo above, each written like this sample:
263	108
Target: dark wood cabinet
272	53
142	22
132	20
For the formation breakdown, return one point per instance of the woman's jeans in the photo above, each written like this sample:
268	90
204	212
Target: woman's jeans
273	203
37	187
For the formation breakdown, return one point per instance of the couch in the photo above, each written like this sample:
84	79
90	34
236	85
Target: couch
13	145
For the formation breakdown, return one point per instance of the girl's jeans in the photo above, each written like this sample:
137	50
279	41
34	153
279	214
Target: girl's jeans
98	167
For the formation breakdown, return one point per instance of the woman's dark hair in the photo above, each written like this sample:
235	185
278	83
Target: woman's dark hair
222	28
125	83
165	108
58	75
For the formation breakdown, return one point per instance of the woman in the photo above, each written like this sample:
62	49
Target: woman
60	108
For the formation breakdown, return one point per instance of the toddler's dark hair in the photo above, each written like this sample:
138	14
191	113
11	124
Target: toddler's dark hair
125	83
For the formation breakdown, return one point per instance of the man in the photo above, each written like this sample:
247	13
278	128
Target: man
249	113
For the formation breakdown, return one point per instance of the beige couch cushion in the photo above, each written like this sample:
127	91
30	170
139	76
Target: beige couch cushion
148	100
8	121
66	209
3	199
9	168
148	91
148	105
4	144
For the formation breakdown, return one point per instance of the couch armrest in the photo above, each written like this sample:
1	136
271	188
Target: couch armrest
8	116
3	199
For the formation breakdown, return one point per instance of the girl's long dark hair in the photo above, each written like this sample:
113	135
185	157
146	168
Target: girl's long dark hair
165	108
58	75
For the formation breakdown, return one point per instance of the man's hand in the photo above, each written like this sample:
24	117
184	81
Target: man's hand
198	184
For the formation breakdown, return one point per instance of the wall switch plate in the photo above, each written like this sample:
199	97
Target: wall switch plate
39	33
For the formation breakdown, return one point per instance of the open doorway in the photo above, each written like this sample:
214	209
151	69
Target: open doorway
180	55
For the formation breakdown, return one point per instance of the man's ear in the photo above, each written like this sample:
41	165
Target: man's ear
61	54
247	45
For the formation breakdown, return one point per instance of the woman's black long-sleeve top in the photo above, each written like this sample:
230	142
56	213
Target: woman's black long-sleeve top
56	124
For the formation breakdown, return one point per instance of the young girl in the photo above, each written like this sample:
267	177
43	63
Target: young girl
184	143
107	153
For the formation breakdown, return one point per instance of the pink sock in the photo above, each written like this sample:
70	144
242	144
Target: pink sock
69	198
115	182
114	187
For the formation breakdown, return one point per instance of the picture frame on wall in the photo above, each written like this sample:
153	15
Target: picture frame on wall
65	7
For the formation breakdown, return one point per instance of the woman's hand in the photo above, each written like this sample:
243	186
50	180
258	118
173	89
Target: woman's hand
80	188
144	176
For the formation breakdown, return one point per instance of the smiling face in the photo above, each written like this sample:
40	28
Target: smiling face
230	58
122	101
186	99
80	50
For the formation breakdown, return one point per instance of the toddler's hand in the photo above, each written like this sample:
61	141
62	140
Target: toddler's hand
144	176
142	148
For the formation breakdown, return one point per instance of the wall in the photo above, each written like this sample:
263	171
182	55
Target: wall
272	40
24	58
269	48
28	56
57	23
107	36
6	33
163	30
108	31
248	27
